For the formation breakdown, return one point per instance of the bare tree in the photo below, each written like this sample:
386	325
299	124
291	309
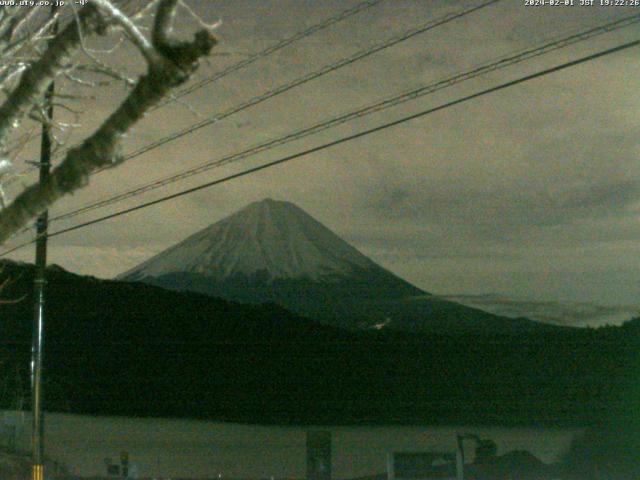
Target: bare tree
31	57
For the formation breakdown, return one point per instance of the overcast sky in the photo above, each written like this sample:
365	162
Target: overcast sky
532	192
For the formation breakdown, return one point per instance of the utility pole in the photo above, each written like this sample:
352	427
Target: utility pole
37	346
460	457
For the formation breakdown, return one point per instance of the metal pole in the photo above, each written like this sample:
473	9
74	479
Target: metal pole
37	347
460	458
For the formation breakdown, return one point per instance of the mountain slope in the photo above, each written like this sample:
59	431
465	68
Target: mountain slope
275	239
133	349
273	251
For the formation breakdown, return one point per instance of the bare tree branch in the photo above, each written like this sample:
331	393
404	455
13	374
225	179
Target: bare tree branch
163	25
177	60
199	21
37	76
14	45
105	70
136	36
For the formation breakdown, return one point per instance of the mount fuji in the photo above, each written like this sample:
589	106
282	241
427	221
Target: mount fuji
274	252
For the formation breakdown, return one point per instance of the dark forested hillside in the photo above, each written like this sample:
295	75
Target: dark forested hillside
134	349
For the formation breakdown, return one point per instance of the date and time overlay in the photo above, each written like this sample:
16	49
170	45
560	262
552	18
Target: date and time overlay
527	3
581	3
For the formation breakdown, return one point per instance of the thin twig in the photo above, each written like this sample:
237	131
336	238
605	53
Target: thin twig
179	60
131	30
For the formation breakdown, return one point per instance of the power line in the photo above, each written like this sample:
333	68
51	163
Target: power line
304	79
307	78
343	15
272	49
367	110
342	140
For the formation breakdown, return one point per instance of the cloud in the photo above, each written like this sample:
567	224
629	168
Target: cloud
571	314
532	189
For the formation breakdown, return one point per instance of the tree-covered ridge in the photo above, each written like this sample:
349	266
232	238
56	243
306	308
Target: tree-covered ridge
133	349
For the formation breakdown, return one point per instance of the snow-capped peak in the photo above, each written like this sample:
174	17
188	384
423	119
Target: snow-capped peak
273	237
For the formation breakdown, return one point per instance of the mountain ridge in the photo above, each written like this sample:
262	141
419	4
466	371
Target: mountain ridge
271	236
273	251
127	348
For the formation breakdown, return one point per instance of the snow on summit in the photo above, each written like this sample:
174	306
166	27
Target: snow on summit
274	252
271	236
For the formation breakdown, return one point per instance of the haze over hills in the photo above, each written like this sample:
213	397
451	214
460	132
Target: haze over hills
574	314
273	251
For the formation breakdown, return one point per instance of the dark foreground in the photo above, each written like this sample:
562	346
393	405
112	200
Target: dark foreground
115	348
